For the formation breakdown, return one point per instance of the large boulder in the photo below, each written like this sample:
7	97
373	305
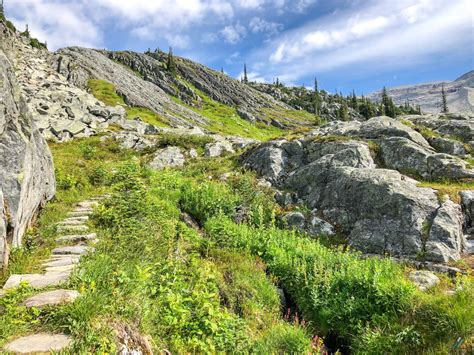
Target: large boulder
26	168
380	210
167	157
448	146
404	155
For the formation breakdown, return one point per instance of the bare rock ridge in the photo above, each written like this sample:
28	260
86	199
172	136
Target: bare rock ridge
26	169
347	174
143	81
459	93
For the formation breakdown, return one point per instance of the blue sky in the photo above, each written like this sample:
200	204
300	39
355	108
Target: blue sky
348	44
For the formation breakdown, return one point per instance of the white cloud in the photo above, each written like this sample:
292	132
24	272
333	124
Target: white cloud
57	23
383	33
250	4
259	25
233	33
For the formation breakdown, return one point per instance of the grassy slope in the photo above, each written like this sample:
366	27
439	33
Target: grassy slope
195	293
105	92
223	119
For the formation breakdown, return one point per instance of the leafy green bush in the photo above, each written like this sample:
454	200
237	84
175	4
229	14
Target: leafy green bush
362	301
183	140
99	176
88	152
208	199
65	181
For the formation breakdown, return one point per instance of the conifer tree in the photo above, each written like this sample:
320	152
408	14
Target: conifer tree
170	64
246	79
317	98
354	101
444	102
344	112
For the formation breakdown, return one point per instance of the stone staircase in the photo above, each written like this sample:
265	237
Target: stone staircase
74	242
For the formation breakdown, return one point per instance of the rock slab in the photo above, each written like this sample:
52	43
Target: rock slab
39	343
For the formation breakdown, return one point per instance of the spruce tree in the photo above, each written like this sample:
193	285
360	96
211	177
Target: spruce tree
354	101
344	112
444	102
246	79
317	98
170	64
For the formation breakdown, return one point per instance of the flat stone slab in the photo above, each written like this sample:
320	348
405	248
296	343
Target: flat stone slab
74	250
39	343
37	280
76	238
61	260
51	298
87	204
74	229
62	268
83	209
79	214
77	218
72	222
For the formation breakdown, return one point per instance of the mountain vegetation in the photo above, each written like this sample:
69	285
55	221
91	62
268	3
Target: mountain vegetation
183	211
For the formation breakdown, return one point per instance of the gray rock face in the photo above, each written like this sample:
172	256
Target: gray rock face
459	94
467	204
380	210
80	65
408	157
446	236
167	157
405	155
26	168
448	146
446	166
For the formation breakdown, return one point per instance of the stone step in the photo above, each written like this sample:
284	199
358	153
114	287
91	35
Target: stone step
76	238
77	218
73	214
83	209
39	343
72	229
62	268
37	280
87	204
74	250
51	298
60	262
72	222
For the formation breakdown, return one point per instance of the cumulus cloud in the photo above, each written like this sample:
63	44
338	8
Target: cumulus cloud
259	25
383	29
233	33
61	24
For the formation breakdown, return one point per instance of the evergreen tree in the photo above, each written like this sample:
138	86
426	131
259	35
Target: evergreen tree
170	64
317	98
389	108
354	101
344	112
246	79
444	102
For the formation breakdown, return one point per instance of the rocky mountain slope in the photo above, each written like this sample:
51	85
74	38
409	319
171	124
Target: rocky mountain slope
197	214
26	168
354	177
459	93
